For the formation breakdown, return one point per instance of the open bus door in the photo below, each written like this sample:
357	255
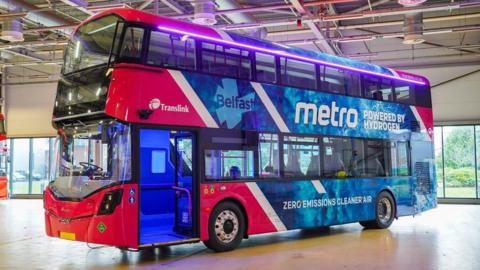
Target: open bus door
166	187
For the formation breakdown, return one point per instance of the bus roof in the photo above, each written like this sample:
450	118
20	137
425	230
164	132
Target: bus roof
212	34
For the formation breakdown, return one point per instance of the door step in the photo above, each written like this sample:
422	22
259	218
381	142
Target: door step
171	243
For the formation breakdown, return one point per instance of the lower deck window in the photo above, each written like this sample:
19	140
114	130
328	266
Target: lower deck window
301	156
228	164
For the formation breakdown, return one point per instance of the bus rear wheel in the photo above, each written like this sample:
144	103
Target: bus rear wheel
226	227
384	212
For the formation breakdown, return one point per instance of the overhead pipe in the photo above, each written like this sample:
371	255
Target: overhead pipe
12	30
413	29
204	12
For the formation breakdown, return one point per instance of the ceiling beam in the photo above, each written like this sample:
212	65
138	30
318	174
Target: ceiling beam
172	4
323	42
369	6
25	53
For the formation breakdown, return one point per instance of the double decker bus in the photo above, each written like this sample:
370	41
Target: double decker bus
171	132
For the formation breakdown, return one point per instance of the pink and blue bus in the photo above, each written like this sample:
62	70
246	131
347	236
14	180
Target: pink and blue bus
171	132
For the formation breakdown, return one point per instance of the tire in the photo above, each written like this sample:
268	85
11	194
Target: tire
226	227
385	212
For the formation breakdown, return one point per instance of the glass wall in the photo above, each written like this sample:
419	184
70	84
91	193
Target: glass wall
457	160
27	163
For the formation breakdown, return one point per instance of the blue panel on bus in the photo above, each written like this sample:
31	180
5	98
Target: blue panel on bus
236	104
323	113
303	204
233	103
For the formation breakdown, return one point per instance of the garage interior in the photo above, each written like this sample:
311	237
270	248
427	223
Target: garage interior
438	39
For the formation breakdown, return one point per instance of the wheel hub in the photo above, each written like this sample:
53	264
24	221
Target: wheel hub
226	226
384	209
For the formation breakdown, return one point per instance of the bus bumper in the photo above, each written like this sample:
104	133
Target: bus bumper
81	221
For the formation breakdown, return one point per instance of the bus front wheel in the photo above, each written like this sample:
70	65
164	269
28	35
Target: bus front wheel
226	227
384	212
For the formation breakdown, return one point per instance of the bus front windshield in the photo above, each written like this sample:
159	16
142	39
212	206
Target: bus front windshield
91	44
90	158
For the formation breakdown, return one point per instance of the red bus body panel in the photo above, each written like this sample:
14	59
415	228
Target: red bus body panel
81	219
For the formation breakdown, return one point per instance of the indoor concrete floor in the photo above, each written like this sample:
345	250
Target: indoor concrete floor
444	238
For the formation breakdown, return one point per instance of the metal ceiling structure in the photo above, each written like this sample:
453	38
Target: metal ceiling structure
415	33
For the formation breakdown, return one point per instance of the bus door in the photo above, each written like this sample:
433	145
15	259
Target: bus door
183	184
166	180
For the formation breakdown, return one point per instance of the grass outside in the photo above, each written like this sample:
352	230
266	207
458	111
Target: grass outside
460	192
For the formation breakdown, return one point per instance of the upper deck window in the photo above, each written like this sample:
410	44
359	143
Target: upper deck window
132	45
298	73
170	50
339	81
404	93
378	88
221	60
265	68
90	45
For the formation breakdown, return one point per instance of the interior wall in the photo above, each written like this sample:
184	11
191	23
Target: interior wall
29	109
455	93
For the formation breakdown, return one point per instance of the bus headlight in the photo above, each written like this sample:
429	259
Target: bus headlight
110	201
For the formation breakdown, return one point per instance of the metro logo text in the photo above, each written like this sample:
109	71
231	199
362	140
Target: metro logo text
325	115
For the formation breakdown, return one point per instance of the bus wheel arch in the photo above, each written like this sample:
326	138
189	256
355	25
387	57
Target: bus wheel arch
385	208
223	233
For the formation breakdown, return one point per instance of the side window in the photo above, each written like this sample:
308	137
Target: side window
378	158
343	157
339	81
159	161
404	93
265	68
400	153
229	164
297	73
377	88
221	60
171	50
131	50
301	156
423	96
268	157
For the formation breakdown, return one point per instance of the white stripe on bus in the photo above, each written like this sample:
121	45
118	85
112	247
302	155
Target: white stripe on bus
266	206
193	98
270	107
318	186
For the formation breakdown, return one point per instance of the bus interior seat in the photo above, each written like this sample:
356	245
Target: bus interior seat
293	164
325	86
333	164
235	172
379	171
377	95
314	166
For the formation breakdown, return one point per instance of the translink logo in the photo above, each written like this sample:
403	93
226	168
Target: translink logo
230	105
